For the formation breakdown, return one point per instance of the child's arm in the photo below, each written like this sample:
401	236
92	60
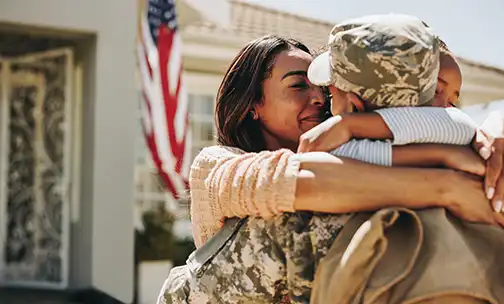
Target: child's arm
408	125
401	125
374	152
429	125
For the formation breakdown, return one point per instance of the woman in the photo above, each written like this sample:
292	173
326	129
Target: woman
265	103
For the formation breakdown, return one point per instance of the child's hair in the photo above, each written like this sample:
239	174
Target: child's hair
445	52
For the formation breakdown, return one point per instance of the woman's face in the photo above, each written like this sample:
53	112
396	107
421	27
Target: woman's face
291	104
449	82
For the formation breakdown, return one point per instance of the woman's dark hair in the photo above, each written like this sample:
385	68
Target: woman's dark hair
242	88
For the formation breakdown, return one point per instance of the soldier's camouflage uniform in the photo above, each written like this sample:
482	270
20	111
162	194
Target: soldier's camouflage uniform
274	260
267	261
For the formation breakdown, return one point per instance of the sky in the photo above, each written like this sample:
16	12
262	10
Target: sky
473	29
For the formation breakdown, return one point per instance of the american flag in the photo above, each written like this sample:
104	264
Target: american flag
165	118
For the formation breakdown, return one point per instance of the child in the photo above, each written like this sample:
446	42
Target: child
449	79
386	61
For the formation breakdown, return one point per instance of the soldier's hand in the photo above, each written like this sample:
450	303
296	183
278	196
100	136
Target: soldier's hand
462	158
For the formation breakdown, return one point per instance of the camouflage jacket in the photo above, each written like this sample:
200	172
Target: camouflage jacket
267	261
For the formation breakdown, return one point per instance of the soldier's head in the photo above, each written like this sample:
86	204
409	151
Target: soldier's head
379	61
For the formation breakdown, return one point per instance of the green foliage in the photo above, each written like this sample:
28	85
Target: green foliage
183	249
157	241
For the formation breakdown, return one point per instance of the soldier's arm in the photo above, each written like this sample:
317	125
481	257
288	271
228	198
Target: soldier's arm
227	182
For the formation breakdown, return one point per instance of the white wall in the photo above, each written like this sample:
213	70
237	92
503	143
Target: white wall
480	112
218	11
103	237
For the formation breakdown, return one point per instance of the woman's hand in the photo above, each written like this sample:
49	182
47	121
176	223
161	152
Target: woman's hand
494	179
489	142
466	199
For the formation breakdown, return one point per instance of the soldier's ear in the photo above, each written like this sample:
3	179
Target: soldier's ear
356	101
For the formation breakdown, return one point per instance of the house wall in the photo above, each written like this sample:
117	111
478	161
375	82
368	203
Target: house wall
102	226
480	86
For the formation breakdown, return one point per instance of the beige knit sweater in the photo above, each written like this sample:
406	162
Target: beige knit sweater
227	182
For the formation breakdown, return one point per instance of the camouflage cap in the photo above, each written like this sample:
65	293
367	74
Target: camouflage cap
388	60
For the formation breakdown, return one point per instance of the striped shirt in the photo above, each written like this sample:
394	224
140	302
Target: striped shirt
409	126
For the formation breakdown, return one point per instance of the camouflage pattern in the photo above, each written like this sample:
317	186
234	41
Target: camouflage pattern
267	261
388	60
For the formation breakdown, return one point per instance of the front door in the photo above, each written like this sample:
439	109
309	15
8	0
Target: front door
35	143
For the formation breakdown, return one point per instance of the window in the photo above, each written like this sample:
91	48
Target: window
201	109
141	151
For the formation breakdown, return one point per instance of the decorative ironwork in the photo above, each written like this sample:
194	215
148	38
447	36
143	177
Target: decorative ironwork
33	249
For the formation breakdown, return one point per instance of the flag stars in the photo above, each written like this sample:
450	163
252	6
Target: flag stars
168	14
161	13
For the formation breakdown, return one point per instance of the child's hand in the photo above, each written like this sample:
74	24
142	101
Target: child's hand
327	136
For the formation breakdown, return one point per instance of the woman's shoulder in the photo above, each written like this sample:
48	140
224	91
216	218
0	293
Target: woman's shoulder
218	152
209	156
213	155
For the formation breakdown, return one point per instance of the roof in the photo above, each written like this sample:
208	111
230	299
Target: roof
256	21
250	21
480	65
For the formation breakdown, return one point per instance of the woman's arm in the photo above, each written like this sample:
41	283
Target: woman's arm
228	182
354	186
329	184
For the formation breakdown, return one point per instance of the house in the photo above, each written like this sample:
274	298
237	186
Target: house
213	33
67	104
69	176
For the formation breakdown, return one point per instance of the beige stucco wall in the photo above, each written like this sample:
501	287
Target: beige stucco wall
102	234
480	85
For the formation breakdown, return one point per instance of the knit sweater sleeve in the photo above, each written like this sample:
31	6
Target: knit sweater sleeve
227	182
